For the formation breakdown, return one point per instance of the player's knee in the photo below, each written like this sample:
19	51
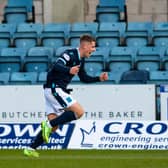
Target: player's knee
80	113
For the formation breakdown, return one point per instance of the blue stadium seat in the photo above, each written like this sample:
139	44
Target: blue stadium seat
110	11
160	34
23	78
12	51
6	34
116	3
7	28
55	34
110	34
45	52
15	15
138	34
20	3
42	77
114	77
76	79
84	27
80	28
19	11
164	59
120	59
158	77
149	58
27	35
107	14
101	52
93	66
4	78
13	56
135	77
38	59
12	65
11	59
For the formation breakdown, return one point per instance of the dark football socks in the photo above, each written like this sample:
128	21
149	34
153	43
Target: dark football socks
37	141
65	117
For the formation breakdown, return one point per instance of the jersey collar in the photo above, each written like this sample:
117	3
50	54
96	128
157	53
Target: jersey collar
78	53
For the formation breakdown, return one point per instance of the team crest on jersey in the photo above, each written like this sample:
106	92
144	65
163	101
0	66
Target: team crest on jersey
66	56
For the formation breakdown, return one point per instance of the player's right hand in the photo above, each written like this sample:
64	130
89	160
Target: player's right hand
74	70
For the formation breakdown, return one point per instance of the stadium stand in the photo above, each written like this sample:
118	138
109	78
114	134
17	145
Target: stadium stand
15	15
55	34
164	60
138	34
94	65
135	77
19	11
158	77
101	53
110	11
42	76
114	77
120	59
160	34
149	58
4	78
77	29
76	79
13	57
110	34
23	78
38	59
115	3
27	35
6	34
121	45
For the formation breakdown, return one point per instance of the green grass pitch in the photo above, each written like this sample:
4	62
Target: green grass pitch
86	159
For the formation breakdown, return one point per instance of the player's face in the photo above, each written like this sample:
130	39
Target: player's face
89	48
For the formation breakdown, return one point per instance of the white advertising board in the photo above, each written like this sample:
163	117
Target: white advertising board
117	102
90	134
105	134
25	103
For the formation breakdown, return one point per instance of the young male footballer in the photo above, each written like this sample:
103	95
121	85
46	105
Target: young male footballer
61	107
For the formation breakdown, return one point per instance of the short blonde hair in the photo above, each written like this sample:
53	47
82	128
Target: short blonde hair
87	38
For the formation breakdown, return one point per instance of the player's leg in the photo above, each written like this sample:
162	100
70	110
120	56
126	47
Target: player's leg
72	112
31	150
38	140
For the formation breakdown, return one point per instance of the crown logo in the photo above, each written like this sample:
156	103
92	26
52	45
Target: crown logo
87	136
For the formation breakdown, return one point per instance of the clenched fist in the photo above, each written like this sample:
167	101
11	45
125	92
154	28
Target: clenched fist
103	76
74	70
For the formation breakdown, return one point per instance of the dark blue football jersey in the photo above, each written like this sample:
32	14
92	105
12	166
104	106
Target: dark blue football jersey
59	72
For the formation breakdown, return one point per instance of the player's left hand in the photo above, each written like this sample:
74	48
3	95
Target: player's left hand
103	76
